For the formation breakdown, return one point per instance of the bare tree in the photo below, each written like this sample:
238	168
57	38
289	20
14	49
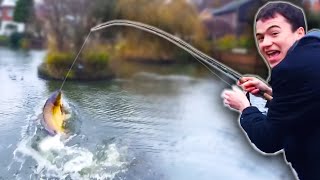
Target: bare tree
67	22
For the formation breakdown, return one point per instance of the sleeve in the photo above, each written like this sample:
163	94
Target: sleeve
294	109
264	134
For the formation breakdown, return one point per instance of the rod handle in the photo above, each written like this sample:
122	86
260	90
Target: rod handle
265	95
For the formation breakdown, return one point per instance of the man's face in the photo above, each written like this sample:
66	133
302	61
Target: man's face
274	38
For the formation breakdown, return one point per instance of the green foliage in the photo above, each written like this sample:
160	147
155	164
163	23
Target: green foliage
93	60
15	39
226	42
89	66
230	41
313	20
60	59
4	40
183	56
246	42
23	11
98	59
24	43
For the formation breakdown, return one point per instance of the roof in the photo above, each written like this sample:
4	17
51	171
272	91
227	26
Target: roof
230	7
10	3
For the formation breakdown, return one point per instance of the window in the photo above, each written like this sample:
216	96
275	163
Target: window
10	13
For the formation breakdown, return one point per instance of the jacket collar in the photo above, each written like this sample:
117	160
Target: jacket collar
312	34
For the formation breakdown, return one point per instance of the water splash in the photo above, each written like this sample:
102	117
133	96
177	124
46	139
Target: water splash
61	161
41	156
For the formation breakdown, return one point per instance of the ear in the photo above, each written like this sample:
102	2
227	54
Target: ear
300	32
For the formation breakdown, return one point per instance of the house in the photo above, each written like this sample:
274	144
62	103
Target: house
234	17
316	6
312	5
231	18
8	26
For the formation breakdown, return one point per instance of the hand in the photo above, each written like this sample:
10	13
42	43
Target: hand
235	99
253	85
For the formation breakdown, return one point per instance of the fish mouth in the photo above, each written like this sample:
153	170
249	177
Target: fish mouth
57	101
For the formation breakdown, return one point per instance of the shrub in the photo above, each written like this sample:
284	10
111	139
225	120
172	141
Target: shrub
98	59
24	43
246	42
15	39
4	40
313	20
60	59
226	42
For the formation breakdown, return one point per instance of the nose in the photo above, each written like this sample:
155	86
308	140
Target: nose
267	41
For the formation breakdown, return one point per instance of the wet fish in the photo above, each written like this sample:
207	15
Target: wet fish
55	114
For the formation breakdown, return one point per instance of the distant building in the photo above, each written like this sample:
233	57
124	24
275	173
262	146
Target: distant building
231	18
8	26
312	5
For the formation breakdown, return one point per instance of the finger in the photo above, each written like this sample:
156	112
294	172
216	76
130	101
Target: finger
255	91
246	78
225	94
226	102
225	97
248	84
241	81
250	89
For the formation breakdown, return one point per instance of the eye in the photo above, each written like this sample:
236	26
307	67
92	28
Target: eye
274	34
260	39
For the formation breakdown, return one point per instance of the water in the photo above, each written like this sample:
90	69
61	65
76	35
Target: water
146	126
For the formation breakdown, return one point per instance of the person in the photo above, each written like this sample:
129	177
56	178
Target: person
292	123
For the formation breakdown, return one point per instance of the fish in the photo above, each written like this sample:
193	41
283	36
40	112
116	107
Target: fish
55	114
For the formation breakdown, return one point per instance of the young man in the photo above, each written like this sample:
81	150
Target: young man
293	119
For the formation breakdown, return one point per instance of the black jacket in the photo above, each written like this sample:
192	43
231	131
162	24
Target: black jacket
293	119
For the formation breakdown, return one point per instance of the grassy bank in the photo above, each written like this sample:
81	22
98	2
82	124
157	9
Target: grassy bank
89	66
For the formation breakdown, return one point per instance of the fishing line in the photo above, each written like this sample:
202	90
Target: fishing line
182	44
198	55
65	78
206	66
175	40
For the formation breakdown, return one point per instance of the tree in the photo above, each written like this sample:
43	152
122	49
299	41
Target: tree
23	11
165	15
67	22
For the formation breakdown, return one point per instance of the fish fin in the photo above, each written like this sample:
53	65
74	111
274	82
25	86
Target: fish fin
61	109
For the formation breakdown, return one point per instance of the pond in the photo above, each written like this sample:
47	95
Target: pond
148	125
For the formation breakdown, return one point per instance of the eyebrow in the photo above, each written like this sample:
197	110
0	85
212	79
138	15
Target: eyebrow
273	26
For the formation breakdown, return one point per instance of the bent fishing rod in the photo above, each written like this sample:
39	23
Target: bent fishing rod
213	63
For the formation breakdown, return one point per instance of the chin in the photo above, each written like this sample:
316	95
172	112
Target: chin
274	64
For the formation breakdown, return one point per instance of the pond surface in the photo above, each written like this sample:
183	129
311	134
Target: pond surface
146	126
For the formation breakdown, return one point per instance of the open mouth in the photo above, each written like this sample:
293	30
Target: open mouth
272	54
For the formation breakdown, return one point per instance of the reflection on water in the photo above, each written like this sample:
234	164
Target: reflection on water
146	126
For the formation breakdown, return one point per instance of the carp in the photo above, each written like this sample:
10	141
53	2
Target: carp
55	114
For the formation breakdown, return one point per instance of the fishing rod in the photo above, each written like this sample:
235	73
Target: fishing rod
213	63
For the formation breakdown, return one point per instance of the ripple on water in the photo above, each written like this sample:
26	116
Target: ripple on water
38	155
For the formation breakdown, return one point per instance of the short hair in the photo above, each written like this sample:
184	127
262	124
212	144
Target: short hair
293	14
